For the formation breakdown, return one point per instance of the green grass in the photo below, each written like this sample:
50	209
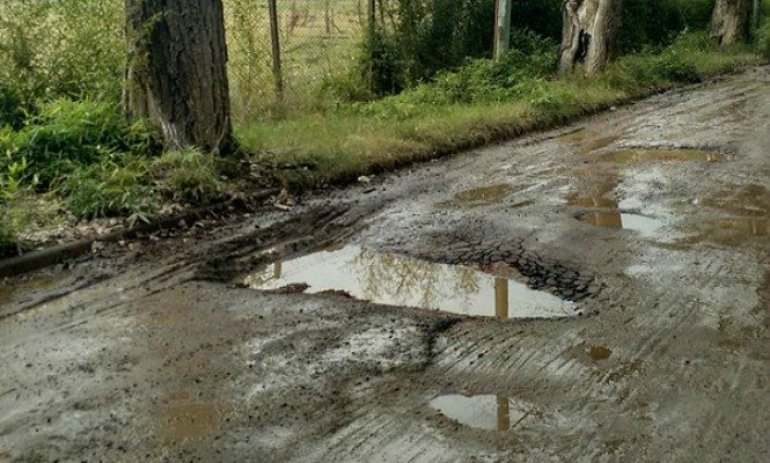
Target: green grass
437	119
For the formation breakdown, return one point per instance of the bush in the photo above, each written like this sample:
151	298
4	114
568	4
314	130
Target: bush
109	189
12	108
52	49
762	40
67	134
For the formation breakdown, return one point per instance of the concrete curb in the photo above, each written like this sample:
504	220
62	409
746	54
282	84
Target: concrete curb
61	253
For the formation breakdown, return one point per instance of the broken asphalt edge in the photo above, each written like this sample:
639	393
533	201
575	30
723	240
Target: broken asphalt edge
37	260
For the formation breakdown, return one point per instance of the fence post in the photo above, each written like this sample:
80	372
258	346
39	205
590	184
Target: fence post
276	50
502	27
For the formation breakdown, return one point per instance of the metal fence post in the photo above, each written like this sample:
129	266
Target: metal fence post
502	27
276	48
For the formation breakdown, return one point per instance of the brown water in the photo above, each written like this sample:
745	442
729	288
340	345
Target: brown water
490	412
661	155
391	279
643	225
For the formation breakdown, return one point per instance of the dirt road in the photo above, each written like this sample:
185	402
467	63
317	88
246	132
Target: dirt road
604	293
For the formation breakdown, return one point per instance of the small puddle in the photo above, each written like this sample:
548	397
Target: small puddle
729	231
7	293
489	412
391	279
588	140
482	196
660	154
645	226
190	421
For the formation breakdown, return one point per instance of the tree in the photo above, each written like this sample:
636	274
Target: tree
730	21
589	35
177	73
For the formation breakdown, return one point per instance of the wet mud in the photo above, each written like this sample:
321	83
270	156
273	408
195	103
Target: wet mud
434	314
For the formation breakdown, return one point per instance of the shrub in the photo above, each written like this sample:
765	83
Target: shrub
66	134
109	189
762	40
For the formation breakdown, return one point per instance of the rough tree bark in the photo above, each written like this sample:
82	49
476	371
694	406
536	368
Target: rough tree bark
730	21
177	76
589	35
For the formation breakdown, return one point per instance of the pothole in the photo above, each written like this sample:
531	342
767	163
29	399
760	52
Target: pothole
397	280
488	412
636	155
643	225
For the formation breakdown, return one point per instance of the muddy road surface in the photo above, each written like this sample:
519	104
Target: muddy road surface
596	293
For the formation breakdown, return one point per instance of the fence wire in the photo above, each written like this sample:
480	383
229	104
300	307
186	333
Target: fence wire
318	39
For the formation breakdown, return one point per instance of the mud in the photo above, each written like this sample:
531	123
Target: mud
158	350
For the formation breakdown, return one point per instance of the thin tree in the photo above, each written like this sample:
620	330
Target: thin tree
177	73
589	34
730	21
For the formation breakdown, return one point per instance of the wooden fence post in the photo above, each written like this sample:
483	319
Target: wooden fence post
276	50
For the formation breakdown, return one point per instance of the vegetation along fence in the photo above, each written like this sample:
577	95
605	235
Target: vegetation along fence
283	51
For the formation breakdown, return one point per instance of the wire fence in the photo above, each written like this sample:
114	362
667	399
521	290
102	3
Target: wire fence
281	51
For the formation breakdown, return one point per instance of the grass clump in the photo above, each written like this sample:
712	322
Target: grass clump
188	175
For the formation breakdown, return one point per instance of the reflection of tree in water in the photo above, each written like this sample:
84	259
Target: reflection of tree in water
386	276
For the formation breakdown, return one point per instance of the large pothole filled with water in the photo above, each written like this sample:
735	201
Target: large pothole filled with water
397	280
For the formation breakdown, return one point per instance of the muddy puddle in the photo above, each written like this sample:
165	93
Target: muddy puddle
184	420
484	196
391	279
488	412
8	293
643	225
639	155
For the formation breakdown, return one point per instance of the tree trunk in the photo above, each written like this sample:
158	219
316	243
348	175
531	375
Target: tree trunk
177	73
589	35
730	21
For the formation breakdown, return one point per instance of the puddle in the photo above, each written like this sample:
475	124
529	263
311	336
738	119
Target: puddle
184	421
391	279
599	353
7	293
489	412
588	140
645	226
660	154
481	196
728	231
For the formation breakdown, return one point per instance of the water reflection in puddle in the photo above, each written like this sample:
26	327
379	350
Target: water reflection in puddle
391	279
490	412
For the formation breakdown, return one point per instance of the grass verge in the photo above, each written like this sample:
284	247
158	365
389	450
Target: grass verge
465	110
